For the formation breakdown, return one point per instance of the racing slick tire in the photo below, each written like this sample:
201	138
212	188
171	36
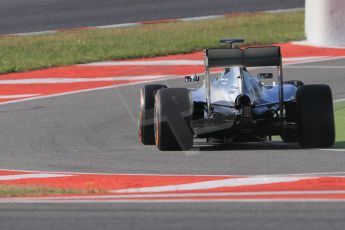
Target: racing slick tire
315	118
172	118
146	112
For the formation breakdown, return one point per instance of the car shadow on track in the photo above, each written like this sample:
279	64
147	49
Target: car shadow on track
273	145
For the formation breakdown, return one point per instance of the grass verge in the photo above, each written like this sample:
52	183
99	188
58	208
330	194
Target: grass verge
21	190
340	124
42	51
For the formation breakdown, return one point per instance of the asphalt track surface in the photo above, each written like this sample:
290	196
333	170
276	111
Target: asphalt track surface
19	16
326	216
96	132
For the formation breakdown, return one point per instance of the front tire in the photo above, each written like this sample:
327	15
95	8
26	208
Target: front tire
146	111
315	120
173	115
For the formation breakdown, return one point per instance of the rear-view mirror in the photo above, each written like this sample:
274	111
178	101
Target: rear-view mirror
192	78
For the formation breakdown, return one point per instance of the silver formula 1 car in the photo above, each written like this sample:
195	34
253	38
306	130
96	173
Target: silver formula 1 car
237	106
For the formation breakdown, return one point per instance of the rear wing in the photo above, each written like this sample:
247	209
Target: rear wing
249	57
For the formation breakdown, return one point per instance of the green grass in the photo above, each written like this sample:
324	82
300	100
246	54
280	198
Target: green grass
42	51
21	190
340	124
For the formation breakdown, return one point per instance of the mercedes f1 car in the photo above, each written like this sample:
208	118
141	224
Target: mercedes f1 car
237	106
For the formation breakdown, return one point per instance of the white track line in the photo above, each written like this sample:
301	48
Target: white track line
32	176
147	63
312	174
35	33
202	18
284	10
306	43
211	184
334	150
315	67
86	90
192	62
215	194
17	96
212	194
313	60
77	80
306	58
339	100
123	25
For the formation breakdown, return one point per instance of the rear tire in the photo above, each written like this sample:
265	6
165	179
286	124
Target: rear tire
146	111
173	115
315	119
